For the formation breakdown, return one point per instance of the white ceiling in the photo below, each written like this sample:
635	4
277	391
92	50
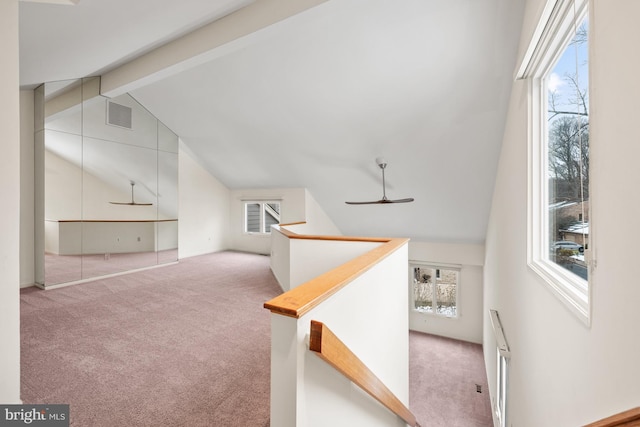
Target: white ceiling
60	42
313	100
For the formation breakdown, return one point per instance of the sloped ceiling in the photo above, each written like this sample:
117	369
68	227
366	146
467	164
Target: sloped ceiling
313	100
61	42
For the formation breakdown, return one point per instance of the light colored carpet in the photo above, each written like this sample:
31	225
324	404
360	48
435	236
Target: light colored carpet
443	376
189	345
181	345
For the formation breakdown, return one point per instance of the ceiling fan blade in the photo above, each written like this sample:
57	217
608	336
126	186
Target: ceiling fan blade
407	200
131	203
365	203
382	201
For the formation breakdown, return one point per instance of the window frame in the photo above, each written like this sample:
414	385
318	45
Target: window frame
503	357
551	38
437	267
502	381
262	203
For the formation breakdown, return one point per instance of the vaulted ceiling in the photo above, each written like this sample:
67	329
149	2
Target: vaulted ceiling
312	100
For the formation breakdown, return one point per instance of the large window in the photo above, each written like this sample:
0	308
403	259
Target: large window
557	69
259	216
435	289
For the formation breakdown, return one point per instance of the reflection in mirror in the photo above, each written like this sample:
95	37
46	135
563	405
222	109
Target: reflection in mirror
118	237
110	184
62	181
167	206
63	206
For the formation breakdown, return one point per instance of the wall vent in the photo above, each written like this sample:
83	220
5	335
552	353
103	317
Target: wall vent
118	115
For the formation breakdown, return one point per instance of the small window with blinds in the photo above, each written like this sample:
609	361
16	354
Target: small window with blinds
259	216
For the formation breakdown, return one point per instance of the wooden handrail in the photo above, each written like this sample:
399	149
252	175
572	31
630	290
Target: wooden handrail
292	235
308	295
333	351
630	418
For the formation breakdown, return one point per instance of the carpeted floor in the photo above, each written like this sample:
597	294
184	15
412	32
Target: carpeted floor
443	379
189	345
182	345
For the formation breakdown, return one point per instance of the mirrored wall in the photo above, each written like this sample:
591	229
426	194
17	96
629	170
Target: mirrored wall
108	188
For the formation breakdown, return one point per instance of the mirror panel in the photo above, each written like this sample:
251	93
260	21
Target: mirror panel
117	175
110	183
167	207
167	140
63	207
119	207
120	119
62	181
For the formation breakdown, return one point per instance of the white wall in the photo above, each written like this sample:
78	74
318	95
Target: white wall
311	258
297	205
468	325
280	259
292	209
563	373
203	209
10	212
317	219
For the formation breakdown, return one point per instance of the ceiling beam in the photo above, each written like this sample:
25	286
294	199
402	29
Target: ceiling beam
204	44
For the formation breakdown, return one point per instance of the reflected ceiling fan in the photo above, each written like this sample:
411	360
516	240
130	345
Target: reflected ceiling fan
132	202
382	164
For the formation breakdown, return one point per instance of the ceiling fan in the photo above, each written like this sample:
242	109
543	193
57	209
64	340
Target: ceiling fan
131	203
382	164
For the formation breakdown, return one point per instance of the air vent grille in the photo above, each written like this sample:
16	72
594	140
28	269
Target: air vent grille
118	115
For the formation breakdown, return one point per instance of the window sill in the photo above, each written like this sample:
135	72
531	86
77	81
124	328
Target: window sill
435	315
571	290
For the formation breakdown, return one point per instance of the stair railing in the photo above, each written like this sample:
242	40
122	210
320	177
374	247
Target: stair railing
333	351
630	418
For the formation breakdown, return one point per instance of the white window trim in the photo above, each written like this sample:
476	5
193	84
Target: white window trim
551	36
437	266
502	380
503	356
261	202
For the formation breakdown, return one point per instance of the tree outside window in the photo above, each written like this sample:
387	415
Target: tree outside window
568	155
